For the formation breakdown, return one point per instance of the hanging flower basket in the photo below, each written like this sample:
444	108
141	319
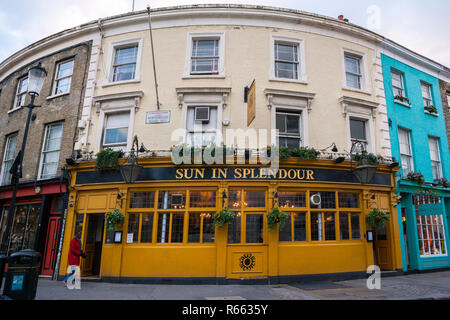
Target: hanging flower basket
222	217
376	218
113	219
108	159
276	216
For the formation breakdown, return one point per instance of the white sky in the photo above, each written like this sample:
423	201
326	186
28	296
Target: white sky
422	26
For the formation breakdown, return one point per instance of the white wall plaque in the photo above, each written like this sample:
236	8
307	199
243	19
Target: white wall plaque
157	117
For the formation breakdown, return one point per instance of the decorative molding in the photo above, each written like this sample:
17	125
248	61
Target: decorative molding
134	96
349	104
289	98
219	91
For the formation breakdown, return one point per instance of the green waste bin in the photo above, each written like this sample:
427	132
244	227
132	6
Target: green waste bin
22	276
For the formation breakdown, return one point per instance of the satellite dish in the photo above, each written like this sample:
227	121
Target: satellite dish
316	199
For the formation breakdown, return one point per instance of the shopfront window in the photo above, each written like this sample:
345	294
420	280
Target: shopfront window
254	228
292	199
430	227
24	228
297	229
234	230
142	199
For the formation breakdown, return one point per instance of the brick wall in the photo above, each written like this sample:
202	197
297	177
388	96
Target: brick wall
445	91
64	108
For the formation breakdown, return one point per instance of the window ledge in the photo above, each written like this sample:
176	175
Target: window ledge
402	103
57	95
15	109
300	81
206	76
109	84
357	90
432	114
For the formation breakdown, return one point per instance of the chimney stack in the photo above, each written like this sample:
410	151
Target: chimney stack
341	17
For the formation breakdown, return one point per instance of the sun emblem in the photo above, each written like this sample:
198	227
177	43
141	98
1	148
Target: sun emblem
247	262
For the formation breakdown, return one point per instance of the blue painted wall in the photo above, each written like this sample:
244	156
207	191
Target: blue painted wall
421	126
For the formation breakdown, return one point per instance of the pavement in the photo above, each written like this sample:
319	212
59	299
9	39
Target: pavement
421	286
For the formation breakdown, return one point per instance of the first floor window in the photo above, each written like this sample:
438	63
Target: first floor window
353	72
125	60
201	125
404	138
116	130
289	129
358	132
286	60
51	150
8	158
435	158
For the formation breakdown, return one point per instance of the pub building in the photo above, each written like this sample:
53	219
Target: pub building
168	232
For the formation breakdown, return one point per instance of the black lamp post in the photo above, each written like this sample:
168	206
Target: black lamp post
364	172
36	78
130	171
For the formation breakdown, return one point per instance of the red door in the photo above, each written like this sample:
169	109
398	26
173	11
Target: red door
51	245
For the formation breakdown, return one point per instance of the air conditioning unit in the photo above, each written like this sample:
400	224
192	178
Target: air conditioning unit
201	114
176	199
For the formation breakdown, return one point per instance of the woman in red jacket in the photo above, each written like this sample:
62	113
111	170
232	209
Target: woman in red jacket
72	280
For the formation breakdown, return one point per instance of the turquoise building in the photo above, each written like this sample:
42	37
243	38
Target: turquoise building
419	143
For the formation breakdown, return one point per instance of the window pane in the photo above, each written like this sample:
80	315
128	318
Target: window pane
358	129
202	199
208	227
125	72
116	136
163	227
352	65
126	55
299	226
343	226
147	228
397	80
292	143
234	230
133	226
330	227
328	200
177	227
292	199
65	69
172	199
234	199
356	226
194	227
286	70
316	226
255	199
285	233
254	228
353	81
286	52
142	199
348	200
293	124
205	48
281	122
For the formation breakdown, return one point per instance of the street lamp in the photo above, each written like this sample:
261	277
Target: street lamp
130	171
364	172
36	78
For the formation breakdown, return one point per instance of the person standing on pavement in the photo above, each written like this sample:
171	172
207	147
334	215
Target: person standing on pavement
73	280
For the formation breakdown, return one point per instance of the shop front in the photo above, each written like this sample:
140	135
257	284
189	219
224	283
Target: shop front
168	232
37	220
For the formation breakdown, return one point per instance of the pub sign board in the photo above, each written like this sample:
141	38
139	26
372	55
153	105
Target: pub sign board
233	173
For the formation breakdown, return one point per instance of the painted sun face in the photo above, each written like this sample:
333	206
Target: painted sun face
247	262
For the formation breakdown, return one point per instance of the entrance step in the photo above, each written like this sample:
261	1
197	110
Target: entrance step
91	278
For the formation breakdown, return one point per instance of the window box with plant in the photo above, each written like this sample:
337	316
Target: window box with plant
431	110
302	153
108	159
113	219
366	158
402	100
416	177
444	183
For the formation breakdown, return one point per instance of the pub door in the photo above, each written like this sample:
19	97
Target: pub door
247	249
383	235
92	244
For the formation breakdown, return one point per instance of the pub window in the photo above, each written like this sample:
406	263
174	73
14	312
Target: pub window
194	227
349	225
298	229
163	227
172	222
147	228
254	228
356	226
172	200
234	199
201	227
202	199
328	200
142	199
330	226
285	233
255	199
316	226
292	199
234	229
344	226
348	200
323	226
133	227
177	227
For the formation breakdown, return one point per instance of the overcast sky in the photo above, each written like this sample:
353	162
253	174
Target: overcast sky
422	26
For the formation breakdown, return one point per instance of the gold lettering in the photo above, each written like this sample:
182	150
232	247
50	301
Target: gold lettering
179	174
302	175
237	173
262	172
186	174
294	172
272	172
214	173
246	173
223	173
283	174
200	172
310	174
253	174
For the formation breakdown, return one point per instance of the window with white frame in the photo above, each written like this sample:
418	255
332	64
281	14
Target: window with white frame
435	158
289	129
353	71
50	151
205	56
287	62
448	99
201	125
8	158
63	77
115	133
404	138
21	93
125	61
358	132
397	83
430	228
426	94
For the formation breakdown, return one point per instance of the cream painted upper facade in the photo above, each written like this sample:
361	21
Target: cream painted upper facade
246	44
